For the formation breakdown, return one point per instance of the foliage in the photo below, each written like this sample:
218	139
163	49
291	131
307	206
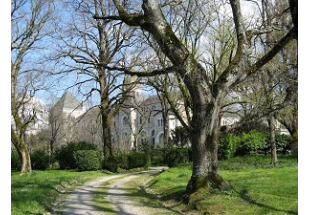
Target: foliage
65	156
175	156
251	143
88	159
136	159
228	145
112	164
282	141
40	159
180	137
123	161
15	160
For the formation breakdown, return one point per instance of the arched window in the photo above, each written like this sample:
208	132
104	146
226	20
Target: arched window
144	137
125	121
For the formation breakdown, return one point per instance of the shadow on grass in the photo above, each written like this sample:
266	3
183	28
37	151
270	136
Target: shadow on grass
245	196
145	198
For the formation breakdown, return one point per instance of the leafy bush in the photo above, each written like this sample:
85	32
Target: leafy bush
177	156
123	161
251	143
40	160
65	156
157	160
138	160
15	160
282	141
180	137
88	159
112	164
228	146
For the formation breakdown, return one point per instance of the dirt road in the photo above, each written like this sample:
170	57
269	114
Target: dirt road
80	201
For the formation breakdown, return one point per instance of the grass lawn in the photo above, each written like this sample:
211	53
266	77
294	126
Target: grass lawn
258	188
35	193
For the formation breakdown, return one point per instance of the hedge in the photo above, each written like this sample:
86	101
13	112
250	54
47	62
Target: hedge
88	159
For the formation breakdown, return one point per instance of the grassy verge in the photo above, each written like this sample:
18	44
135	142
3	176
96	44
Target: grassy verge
37	192
258	187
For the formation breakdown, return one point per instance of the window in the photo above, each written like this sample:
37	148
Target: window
125	121
160	122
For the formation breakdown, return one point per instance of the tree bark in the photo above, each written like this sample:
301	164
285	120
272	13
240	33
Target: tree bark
274	157
23	152
204	138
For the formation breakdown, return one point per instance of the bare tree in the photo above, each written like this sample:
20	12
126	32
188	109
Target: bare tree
92	46
28	22
206	95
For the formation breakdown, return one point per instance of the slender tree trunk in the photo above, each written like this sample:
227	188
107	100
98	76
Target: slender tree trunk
26	162
274	157
107	138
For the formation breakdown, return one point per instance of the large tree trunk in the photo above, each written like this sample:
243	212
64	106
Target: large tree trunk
204	138
23	152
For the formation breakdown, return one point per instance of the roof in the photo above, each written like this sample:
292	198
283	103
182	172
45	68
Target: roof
68	101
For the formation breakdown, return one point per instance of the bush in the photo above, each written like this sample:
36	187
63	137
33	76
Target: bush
138	160
123	161
157	160
251	143
40	160
228	146
65	156
177	156
15	161
282	141
112	164
88	159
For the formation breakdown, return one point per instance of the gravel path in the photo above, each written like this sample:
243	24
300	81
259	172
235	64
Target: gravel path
80	200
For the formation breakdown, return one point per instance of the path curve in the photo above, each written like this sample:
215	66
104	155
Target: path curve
80	201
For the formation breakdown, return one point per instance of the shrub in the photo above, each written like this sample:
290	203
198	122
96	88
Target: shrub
40	160
123	161
112	164
177	156
65	156
138	160
282	143
157	160
157	157
228	146
251	143
15	160
180	137
88	159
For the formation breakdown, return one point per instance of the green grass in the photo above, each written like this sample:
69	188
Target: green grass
35	193
258	187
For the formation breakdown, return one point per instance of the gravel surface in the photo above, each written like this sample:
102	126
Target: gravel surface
80	200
